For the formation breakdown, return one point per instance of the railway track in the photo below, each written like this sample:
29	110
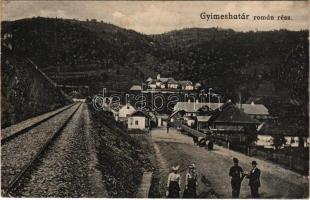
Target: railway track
21	151
8	134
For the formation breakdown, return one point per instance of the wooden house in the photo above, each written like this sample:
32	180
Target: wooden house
229	118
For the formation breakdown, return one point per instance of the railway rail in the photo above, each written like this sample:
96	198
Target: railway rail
22	150
9	133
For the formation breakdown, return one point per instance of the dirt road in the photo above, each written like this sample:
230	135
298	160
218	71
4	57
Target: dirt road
213	167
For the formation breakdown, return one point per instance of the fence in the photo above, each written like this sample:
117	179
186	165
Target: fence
291	161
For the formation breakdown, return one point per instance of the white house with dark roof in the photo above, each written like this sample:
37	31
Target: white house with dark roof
138	120
169	83
195	112
125	111
186	85
173	84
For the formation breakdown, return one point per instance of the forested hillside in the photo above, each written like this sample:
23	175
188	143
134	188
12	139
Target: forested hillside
270	67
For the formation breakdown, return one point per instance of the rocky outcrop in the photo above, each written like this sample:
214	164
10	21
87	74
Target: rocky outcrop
25	91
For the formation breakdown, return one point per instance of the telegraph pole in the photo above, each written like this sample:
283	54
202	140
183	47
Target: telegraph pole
210	97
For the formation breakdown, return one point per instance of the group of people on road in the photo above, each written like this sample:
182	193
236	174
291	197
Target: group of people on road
174	183
236	172
237	175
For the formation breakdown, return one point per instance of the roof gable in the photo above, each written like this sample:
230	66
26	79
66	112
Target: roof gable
128	106
231	114
140	113
203	118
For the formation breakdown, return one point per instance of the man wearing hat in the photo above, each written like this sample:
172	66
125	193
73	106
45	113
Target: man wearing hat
254	179
236	173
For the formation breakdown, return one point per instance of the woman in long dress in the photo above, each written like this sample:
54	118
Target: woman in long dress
174	182
190	183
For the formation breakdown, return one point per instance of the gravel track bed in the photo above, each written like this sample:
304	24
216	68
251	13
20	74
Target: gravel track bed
63	169
20	150
27	123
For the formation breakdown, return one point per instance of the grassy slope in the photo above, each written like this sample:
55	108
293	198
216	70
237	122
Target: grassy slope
121	158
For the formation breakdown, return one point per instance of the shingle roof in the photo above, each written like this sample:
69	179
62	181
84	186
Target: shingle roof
189	106
231	114
254	109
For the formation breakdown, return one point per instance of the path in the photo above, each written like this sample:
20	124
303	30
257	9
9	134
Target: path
175	147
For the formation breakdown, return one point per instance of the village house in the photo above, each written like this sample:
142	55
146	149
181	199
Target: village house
194	108
173	84
191	111
168	83
268	129
186	85
229	118
125	111
176	117
203	122
152	84
162	120
139	120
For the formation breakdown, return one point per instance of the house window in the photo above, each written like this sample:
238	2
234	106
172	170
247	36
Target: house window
136	122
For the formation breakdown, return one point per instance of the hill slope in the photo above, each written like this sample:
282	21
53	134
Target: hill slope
75	52
270	67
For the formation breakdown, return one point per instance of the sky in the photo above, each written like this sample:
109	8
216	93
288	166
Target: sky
155	17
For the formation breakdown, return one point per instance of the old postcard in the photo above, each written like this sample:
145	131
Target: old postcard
155	99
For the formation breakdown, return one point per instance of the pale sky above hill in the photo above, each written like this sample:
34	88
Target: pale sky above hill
157	17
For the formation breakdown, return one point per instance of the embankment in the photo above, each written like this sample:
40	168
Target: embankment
121	157
25	91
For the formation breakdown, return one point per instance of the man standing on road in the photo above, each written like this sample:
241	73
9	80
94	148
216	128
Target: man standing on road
254	182
236	173
168	126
